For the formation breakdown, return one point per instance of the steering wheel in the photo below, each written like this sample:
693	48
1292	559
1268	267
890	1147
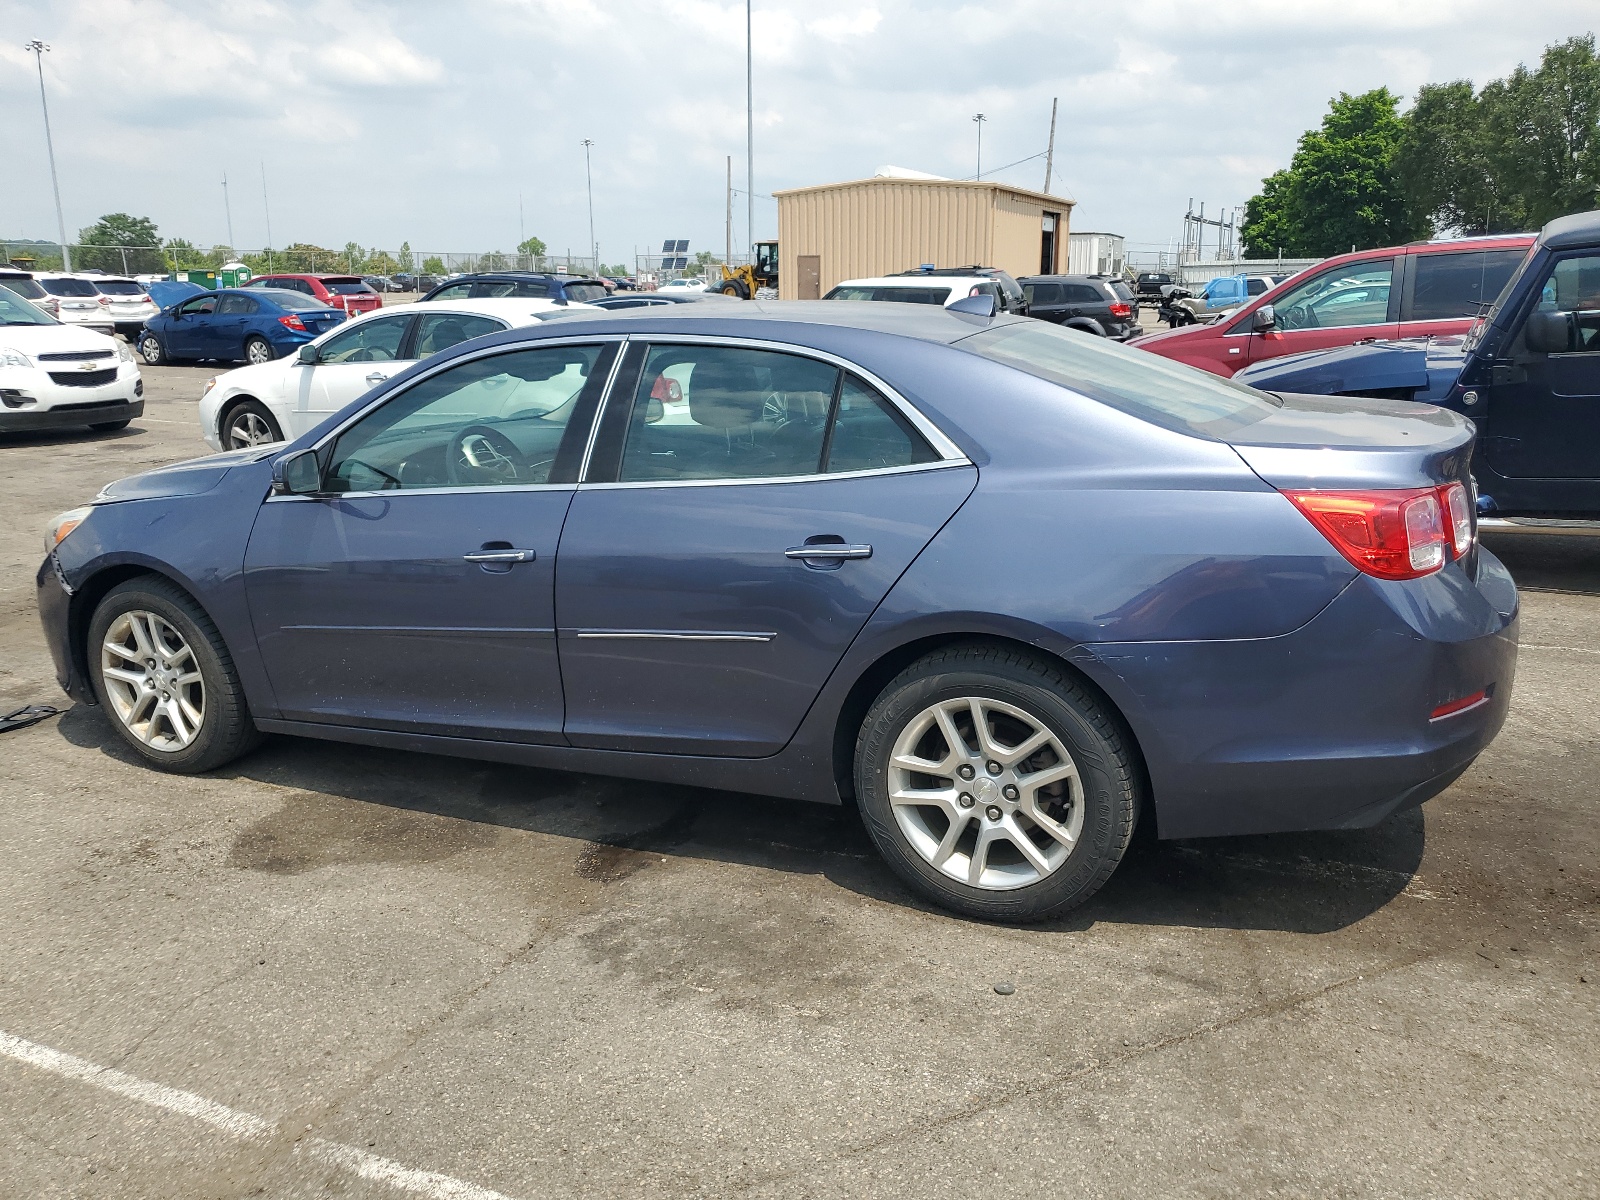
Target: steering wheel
481	454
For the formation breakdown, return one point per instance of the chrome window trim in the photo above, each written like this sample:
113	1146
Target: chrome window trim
600	409
391	493
671	635
946	449
942	465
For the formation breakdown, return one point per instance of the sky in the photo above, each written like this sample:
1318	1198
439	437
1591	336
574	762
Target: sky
379	123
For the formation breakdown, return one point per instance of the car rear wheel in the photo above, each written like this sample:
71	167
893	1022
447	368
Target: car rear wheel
151	350
165	678
258	350
247	424
995	785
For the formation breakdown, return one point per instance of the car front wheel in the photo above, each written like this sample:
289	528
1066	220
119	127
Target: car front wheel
165	678
247	424
151	350
995	785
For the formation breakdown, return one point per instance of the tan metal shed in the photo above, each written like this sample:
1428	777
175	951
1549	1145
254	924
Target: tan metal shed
880	226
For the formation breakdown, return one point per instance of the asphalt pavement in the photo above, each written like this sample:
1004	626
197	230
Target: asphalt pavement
338	971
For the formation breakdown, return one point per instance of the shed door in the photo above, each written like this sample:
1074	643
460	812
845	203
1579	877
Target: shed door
810	270
1047	248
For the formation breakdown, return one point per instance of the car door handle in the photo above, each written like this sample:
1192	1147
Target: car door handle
836	550
501	556
376	377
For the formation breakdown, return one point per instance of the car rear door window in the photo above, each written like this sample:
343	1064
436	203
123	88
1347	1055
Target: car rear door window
237	306
1081	293
456	291
517	289
870	434
440	331
497	421
721	412
1455	285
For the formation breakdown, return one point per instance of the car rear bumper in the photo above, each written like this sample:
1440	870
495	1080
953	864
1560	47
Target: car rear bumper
1331	726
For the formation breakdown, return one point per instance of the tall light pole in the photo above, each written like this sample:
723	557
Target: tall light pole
594	246
38	49
228	208
749	130
980	119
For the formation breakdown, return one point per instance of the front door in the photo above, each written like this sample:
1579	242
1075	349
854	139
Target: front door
350	362
1335	307
1544	419
742	538
187	335
417	593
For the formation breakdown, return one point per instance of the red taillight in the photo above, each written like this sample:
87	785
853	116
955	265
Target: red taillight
1457	516
105	299
292	322
1122	311
1393	535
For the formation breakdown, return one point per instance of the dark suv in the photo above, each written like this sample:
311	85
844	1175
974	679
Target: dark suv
520	285
1012	299
1099	304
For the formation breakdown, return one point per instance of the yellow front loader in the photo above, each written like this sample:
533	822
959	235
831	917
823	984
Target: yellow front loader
743	281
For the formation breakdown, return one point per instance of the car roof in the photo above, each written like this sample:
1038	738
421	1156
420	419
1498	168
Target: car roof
1073	278
1564	233
489	306
911	281
555	276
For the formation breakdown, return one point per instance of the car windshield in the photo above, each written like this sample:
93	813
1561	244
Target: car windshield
119	287
584	291
1137	382
14	310
293	301
346	287
68	287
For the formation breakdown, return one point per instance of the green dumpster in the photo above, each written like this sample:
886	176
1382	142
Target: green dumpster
206	278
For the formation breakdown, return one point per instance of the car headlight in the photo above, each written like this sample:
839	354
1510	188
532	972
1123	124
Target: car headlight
124	351
13	358
63	525
206	391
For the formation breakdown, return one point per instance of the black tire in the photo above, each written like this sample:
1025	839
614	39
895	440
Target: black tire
1097	746
233	429
110	426
152	351
258	350
735	288
226	729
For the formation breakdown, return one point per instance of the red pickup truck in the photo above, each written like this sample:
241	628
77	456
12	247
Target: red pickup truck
1403	291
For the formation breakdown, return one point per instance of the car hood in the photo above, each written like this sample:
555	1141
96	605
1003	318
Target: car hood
181	479
1426	366
54	339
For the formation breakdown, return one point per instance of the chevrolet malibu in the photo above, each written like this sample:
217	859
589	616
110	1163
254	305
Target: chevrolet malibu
1007	589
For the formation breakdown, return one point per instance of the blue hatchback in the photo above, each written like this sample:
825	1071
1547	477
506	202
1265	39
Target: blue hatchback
230	324
1007	588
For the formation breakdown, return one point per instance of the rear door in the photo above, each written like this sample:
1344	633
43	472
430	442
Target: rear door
1337	306
726	550
228	326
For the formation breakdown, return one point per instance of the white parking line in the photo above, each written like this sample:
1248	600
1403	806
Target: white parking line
241	1124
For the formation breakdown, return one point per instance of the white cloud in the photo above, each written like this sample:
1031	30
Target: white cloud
379	122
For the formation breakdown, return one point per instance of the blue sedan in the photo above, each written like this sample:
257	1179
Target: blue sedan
230	324
1007	589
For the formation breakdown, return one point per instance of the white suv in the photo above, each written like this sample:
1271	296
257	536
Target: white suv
56	376
78	301
280	400
919	289
126	300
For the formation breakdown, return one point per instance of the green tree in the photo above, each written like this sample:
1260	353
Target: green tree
354	259
493	261
533	247
1341	188
404	259
433	265
101	245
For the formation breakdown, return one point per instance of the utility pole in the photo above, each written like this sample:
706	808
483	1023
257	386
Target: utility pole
980	119
594	246
750	130
522	227
729	259
1050	150
228	208
39	49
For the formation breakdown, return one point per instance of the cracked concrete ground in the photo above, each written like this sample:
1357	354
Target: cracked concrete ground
554	985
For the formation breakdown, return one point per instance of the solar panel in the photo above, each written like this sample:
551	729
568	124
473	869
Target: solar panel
683	245
666	246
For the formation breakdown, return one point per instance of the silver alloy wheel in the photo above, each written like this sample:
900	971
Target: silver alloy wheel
247	429
257	352
152	680
150	351
986	793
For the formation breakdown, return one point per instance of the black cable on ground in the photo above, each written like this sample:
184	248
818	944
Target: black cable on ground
23	717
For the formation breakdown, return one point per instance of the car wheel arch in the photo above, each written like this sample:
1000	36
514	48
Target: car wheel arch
875	675
1085	324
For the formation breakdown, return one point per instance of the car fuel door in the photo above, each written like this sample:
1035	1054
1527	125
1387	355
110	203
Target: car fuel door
730	547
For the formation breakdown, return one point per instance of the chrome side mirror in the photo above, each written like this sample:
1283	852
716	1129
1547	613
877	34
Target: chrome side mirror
1263	319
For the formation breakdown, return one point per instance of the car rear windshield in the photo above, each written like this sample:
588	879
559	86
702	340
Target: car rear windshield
346	287
584	291
22	286
68	287
1123	291
119	287
293	301
1142	384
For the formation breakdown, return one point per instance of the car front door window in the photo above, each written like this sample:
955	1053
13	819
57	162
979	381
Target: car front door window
497	421
1340	298
366	341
